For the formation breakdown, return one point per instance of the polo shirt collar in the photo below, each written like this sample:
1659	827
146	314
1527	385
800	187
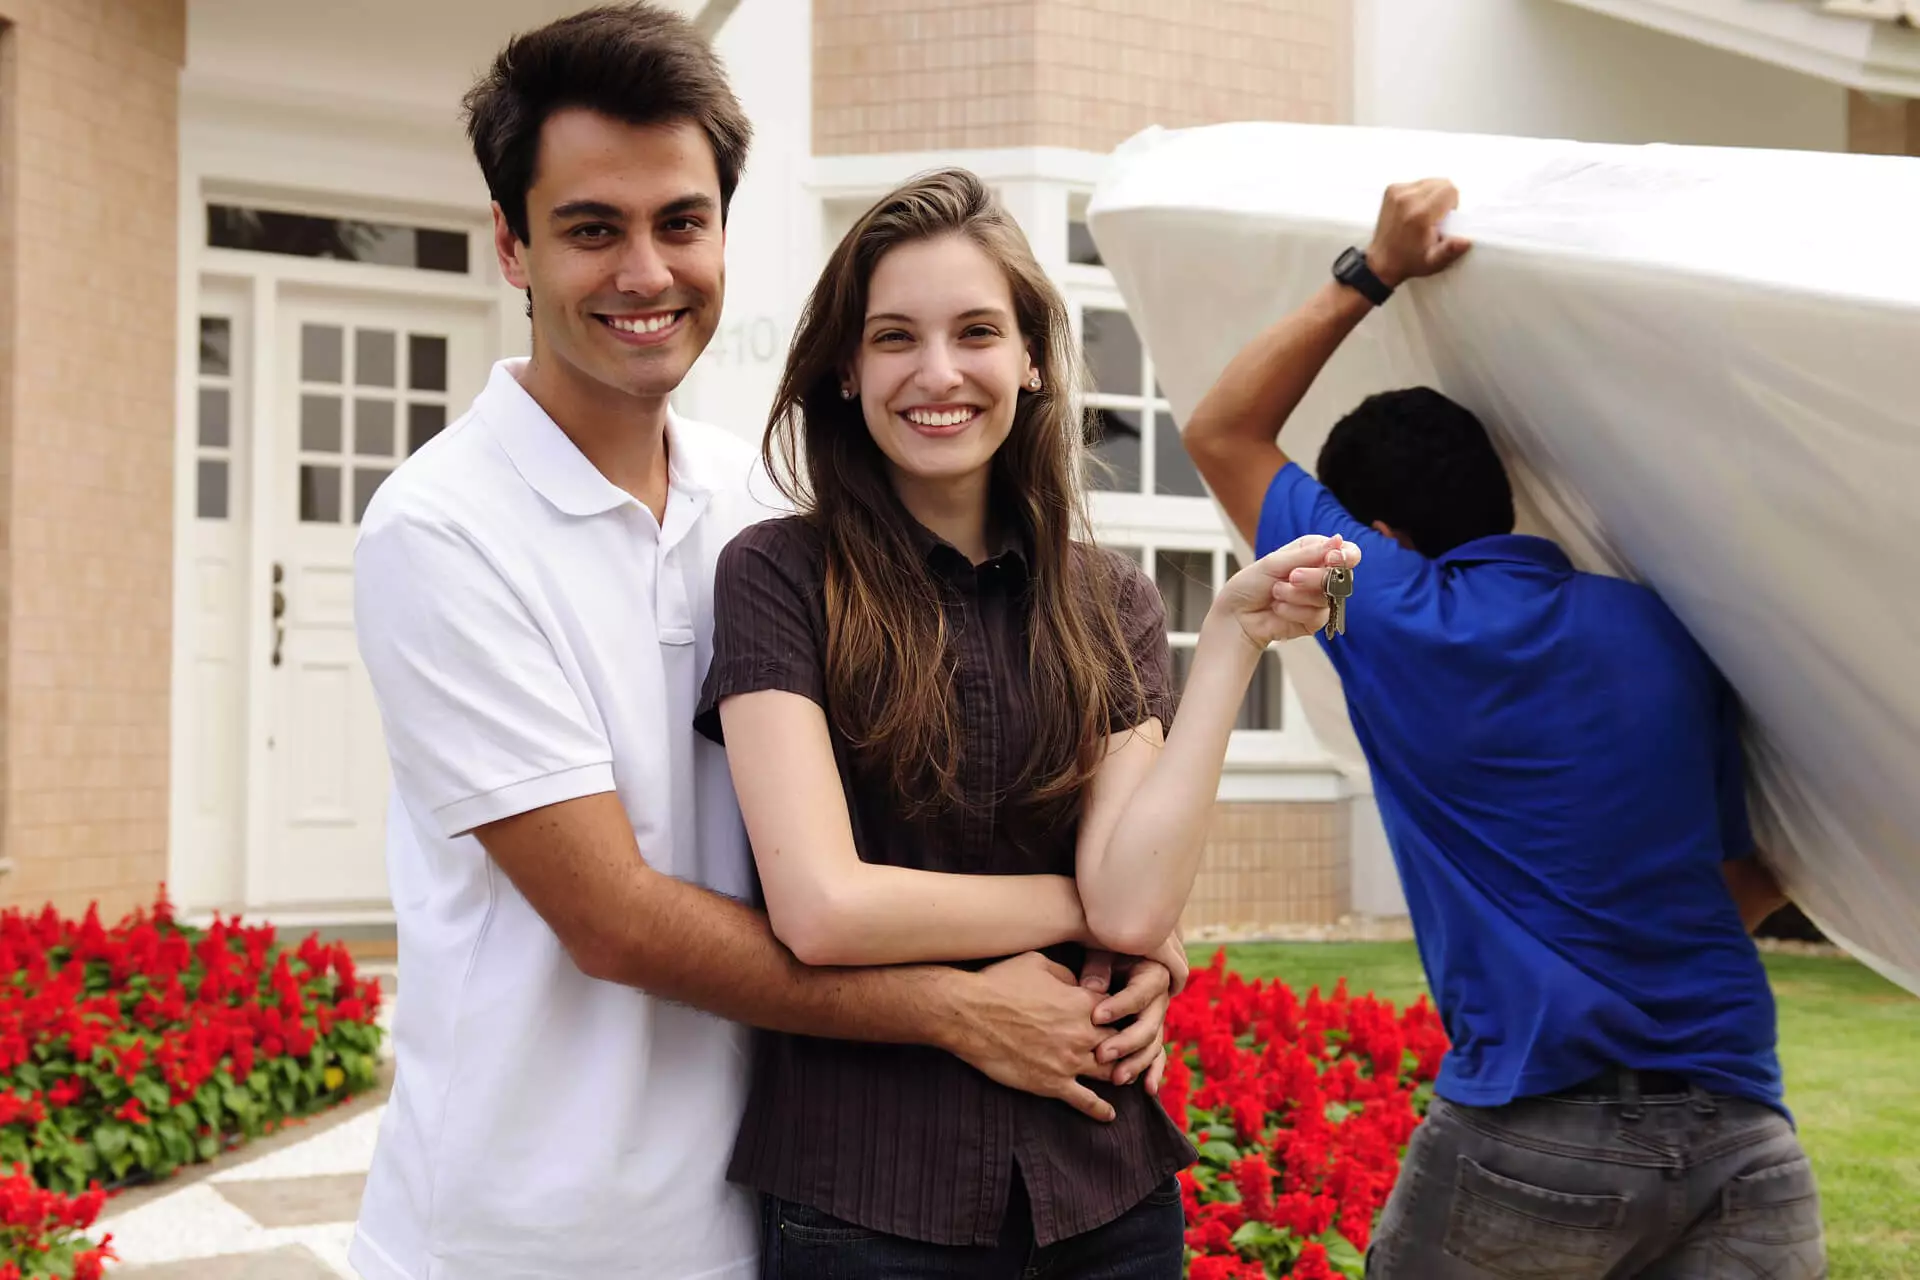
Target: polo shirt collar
549	461
1510	548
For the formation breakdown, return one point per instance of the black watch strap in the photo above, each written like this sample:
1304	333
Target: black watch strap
1351	269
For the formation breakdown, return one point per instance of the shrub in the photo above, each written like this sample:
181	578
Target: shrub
129	1051
41	1232
1300	1111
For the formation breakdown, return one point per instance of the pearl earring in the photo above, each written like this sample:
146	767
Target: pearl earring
1033	383
846	393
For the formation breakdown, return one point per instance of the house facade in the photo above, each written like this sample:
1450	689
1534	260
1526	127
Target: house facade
245	269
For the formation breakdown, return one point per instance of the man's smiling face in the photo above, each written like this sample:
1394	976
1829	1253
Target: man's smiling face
625	255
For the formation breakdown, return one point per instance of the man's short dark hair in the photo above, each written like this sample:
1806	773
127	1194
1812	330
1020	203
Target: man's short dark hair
1422	465
631	62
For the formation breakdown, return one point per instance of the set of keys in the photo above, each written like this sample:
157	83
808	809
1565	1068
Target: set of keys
1339	587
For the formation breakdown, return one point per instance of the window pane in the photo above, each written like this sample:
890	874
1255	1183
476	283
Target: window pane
322	353
1080	245
440	251
211	481
1182	668
424	421
216	346
365	481
373	357
426	362
320	495
302	235
320	424
1261	708
1132	553
1173	471
373	428
1185	579
214	432
1114	435
1113	352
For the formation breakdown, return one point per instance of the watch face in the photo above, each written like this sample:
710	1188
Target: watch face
1348	260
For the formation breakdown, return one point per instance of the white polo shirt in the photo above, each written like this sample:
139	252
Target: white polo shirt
533	636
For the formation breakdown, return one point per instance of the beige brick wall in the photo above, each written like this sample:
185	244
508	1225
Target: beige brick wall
1272	864
1883	126
88	259
910	75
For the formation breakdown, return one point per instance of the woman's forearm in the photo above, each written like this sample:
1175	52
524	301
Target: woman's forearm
874	914
1136	884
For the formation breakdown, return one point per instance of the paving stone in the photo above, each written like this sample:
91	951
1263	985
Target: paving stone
293	1262
296	1202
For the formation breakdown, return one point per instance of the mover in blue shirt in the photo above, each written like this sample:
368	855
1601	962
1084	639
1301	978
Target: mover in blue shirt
1558	768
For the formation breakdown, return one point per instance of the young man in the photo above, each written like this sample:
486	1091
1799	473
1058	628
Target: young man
1560	777
533	596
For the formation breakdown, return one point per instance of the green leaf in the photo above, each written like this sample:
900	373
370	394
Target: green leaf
29	1075
143	1147
1254	1236
258	1081
1345	1258
110	1138
290	1069
1339	1111
208	1147
1219	1153
238	1101
120	1164
1220	1131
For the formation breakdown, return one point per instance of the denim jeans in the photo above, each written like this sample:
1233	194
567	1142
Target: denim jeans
1645	1177
1145	1243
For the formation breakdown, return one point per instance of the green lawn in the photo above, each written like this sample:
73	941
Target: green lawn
1850	1044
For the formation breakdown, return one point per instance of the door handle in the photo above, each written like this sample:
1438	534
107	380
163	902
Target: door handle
279	612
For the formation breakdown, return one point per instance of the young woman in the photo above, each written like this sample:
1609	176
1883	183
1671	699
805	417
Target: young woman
947	717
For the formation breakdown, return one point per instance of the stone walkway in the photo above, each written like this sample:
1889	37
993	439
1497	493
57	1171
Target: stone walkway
279	1209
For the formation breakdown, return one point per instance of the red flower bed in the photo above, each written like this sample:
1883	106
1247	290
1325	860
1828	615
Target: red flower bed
1300	1111
126	1052
41	1232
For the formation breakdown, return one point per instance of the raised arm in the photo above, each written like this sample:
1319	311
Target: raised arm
1233	434
1144	821
828	905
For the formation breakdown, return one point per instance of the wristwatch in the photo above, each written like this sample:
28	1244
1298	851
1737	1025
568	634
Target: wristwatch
1351	269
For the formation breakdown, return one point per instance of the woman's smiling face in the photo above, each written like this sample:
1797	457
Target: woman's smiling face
941	361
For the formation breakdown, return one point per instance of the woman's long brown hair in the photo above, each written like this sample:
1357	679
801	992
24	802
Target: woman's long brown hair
889	655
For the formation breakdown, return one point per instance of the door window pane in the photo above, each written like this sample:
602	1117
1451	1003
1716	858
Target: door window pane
1185	579
303	235
423	423
216	346
215	429
365	481
1173	472
426	362
1182	668
1112	350
320	424
210	501
1261	707
1114	435
374	357
373	428
322	353
320	494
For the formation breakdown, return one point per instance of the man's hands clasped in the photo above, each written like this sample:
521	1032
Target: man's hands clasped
1032	1025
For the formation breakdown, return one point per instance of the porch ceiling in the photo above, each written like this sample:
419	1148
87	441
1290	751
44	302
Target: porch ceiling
413	57
1869	45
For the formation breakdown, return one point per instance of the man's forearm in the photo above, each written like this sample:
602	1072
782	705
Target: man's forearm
1262	385
1755	892
696	947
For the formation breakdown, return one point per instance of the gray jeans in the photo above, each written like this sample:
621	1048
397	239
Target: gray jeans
1606	1182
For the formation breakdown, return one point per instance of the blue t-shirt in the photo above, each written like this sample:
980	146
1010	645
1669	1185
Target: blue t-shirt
1558	768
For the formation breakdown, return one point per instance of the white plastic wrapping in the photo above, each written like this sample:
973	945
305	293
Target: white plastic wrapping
1703	367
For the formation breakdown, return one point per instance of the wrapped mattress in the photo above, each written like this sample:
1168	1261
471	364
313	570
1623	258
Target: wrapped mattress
1703	368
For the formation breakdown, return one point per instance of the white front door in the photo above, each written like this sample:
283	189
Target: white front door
364	383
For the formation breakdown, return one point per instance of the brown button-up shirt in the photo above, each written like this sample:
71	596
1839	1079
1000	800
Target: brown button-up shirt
910	1140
